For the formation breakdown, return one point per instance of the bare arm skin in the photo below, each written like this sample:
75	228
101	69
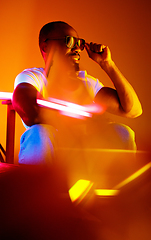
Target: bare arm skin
24	102
122	100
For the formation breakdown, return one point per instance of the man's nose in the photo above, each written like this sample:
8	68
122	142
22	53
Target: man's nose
76	49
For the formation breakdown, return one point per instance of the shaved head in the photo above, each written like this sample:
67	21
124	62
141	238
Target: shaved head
53	29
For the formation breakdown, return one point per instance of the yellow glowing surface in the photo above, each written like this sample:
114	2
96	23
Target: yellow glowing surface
106	192
79	189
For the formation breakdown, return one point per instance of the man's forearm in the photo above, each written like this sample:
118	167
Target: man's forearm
127	96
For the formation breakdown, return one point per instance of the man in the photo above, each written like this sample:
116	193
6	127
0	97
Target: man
61	47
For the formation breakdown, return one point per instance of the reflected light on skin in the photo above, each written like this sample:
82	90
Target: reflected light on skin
79	190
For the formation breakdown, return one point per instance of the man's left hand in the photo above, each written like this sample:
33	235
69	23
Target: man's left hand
98	52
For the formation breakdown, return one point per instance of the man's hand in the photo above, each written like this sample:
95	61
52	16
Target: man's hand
99	53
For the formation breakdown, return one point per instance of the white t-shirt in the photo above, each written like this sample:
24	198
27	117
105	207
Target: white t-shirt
35	77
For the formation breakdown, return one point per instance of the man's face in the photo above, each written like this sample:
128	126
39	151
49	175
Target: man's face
73	54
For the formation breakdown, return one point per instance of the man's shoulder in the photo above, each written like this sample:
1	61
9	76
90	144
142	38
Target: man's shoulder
33	70
91	82
84	75
33	76
30	73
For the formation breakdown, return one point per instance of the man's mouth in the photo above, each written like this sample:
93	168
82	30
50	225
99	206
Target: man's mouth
75	57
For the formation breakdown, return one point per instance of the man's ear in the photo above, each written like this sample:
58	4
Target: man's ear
44	47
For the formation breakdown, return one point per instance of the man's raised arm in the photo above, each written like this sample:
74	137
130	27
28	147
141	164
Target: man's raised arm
122	100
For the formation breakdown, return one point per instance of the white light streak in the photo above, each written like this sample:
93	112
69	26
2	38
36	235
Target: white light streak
63	108
6	95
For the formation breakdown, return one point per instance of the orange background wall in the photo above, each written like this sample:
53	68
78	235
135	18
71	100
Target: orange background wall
125	26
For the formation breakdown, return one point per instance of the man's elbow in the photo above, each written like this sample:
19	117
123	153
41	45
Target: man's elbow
139	113
134	113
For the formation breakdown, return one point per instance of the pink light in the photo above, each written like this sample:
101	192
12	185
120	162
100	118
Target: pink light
93	108
66	108
75	110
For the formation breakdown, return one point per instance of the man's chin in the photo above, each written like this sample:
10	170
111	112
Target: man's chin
75	63
76	66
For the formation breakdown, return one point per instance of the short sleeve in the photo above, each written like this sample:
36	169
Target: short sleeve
93	84
33	77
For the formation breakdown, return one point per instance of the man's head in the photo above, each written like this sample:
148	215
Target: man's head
63	36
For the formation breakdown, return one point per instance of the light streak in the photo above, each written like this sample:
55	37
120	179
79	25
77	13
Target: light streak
133	176
6	95
88	108
63	108
66	108
71	109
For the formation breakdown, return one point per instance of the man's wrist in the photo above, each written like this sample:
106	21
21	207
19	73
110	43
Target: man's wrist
107	66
